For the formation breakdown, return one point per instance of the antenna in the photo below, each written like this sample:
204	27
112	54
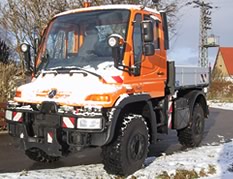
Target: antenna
156	2
86	4
144	4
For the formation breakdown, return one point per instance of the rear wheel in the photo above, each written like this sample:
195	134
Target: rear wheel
40	156
127	153
192	135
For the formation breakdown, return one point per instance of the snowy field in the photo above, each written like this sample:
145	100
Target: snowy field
212	162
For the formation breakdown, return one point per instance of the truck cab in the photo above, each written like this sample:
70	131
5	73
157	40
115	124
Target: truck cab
78	40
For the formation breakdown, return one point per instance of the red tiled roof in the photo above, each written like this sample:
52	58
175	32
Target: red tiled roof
227	54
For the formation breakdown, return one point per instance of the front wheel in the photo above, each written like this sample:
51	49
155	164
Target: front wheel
40	156
192	135
127	153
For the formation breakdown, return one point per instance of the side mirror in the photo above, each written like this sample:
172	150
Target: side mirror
148	38
25	49
115	41
165	29
147	31
149	49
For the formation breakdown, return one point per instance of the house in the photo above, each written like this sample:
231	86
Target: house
224	61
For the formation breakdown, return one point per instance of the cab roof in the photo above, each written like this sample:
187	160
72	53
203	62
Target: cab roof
106	7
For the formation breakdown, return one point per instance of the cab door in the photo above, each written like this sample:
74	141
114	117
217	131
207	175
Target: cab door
153	68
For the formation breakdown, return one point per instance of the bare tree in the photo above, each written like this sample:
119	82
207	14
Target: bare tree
171	7
26	19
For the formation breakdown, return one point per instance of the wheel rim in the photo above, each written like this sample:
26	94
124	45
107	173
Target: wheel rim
198	125
137	147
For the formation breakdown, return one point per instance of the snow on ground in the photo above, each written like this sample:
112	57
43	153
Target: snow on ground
227	106
206	158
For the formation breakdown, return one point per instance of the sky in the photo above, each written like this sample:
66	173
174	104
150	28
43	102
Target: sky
184	46
212	161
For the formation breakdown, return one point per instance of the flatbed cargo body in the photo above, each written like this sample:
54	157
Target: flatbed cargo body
191	76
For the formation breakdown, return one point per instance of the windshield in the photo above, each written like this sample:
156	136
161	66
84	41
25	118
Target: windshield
80	39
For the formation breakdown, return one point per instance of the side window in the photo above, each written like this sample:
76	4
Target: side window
137	43
156	34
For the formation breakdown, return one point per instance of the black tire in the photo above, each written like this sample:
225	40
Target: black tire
127	153
192	135
40	156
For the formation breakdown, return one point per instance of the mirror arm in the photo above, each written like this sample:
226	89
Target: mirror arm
35	48
115	54
34	66
125	69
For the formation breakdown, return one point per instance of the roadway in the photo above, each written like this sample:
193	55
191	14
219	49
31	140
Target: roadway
12	158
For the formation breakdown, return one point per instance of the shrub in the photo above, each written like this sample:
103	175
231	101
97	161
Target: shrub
10	78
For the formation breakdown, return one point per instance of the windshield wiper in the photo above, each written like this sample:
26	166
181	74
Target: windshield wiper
72	69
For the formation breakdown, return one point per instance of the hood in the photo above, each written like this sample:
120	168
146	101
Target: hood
71	89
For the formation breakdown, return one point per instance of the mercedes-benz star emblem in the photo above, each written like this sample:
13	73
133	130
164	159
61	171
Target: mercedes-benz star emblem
52	93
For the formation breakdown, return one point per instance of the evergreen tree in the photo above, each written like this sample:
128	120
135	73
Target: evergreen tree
4	52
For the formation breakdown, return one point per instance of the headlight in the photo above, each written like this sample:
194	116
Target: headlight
8	115
112	42
89	123
24	47
115	40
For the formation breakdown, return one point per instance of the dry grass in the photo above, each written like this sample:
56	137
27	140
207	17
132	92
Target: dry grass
202	173
164	175
123	177
188	174
211	169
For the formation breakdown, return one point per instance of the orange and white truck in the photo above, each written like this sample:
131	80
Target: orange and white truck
102	79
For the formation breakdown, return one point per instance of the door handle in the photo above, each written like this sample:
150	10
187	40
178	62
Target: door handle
160	73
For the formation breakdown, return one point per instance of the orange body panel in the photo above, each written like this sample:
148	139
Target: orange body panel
153	68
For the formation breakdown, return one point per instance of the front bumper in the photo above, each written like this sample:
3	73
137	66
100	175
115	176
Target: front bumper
49	130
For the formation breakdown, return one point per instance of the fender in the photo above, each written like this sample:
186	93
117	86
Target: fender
121	105
197	96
